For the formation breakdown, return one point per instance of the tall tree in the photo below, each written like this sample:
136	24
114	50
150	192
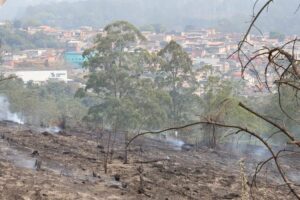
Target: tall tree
176	76
127	99
111	68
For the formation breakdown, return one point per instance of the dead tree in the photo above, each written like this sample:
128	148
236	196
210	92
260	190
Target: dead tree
38	164
285	69
281	72
141	189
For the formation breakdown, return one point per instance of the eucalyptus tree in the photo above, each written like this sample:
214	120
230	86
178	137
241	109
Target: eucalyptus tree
112	70
177	77
151	105
127	99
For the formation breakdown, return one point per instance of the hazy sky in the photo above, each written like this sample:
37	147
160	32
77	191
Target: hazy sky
171	12
13	8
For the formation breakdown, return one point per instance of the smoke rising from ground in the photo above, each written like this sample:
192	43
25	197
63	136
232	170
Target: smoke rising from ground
6	114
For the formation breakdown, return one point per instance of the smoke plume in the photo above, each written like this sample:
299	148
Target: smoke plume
6	114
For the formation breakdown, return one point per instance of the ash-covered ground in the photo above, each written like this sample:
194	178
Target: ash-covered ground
71	167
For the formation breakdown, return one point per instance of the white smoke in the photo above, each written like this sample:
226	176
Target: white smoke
52	130
176	143
6	114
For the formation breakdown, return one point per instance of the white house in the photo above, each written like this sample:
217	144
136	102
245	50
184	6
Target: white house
42	76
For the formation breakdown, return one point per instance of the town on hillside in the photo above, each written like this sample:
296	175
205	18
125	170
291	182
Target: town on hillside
206	47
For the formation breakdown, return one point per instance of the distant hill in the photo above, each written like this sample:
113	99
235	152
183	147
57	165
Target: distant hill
15	39
226	15
16	8
174	14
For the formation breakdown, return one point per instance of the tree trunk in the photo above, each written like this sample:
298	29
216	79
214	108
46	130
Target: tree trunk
126	149
106	155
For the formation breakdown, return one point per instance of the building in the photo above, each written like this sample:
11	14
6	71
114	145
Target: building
74	58
74	45
40	77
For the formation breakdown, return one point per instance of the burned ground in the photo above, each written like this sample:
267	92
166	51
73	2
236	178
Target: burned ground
72	168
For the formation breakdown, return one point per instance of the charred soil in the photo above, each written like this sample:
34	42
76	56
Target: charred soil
37	165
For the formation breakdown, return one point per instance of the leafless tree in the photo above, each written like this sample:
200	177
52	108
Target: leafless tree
281	72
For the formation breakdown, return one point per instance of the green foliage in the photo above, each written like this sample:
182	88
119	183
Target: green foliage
282	107
126	100
176	76
16	39
220	102
156	28
136	89
46	104
152	104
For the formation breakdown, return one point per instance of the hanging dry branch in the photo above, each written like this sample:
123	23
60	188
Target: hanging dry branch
285	68
240	130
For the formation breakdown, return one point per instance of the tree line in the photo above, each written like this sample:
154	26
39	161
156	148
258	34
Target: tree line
137	90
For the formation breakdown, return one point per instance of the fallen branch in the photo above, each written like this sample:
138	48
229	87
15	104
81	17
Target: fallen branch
151	161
